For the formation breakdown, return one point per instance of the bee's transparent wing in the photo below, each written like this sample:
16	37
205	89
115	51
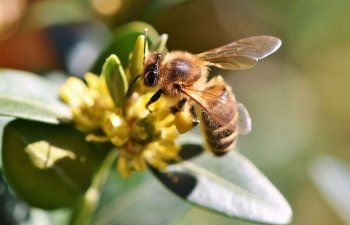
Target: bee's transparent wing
216	100
244	121
209	102
241	54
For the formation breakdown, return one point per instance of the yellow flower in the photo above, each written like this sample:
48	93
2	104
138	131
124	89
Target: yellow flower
89	102
151	136
107	112
116	128
140	136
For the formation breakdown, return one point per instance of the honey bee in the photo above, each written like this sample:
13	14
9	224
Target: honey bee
183	76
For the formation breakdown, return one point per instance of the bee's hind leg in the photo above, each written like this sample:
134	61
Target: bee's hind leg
179	107
181	103
186	118
195	120
193	113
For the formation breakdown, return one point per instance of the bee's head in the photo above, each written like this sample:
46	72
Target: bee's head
151	71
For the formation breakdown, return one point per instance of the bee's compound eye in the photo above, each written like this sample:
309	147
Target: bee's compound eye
151	78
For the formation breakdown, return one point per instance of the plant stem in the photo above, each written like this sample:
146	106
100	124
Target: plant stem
84	212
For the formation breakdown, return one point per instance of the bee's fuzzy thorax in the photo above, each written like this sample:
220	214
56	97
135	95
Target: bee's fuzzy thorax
181	69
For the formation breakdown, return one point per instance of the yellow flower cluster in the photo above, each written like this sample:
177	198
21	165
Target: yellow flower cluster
88	101
140	136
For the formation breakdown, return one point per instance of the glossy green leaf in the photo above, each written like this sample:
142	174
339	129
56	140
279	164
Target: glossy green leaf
160	45
116	80
191	145
332	178
116	185
138	54
49	166
26	108
25	84
122	43
229	185
147	203
83	214
3	122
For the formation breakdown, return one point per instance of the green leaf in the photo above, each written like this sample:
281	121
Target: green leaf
33	90
115	78
49	166
84	212
160	45
116	185
332	178
122	43
29	109
190	150
146	203
3	122
29	85
138	54
229	185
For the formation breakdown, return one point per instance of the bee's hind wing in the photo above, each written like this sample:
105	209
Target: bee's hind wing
244	120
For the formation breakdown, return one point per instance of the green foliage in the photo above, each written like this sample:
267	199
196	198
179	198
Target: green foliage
332	179
116	80
230	185
28	85
48	166
83	213
144	201
160	45
29	96
26	108
138	54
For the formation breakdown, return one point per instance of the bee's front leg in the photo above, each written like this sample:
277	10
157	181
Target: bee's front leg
154	98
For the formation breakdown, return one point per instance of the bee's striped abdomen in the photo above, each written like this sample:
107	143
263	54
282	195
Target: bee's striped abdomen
220	121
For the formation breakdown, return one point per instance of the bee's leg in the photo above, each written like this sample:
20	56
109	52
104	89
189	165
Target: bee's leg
181	103
186	119
179	107
195	120
154	98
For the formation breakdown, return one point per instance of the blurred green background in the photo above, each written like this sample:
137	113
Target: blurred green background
298	98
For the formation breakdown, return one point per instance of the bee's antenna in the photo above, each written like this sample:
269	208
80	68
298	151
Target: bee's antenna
128	93
134	80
